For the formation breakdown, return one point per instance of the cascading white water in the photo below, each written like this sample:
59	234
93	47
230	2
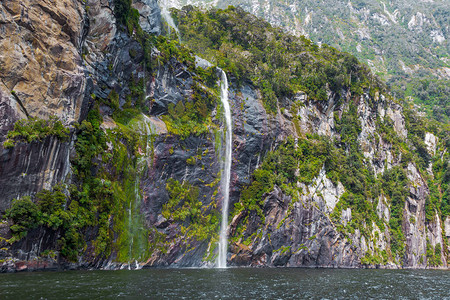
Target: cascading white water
135	229
165	13
226	174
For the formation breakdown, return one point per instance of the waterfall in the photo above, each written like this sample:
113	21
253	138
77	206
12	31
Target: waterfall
136	237
165	13
226	174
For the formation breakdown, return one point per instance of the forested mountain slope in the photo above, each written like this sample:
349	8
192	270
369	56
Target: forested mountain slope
112	146
404	42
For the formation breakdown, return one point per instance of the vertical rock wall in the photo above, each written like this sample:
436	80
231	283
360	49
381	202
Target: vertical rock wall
56	55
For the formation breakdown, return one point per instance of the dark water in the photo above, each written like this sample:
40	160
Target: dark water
228	284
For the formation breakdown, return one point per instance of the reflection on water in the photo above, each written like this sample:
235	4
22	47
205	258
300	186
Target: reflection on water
228	284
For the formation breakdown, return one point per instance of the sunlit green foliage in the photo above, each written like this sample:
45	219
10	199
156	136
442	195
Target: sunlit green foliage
279	64
34	129
291	161
395	186
184	207
25	216
302	160
433	255
192	117
103	184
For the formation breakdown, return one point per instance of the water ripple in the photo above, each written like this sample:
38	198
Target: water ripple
233	283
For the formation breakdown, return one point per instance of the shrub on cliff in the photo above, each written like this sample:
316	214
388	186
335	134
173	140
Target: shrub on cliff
25	215
34	129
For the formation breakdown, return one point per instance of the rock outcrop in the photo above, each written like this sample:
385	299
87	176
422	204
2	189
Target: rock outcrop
41	57
41	76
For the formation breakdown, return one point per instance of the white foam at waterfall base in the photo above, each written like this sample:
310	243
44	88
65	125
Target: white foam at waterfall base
226	174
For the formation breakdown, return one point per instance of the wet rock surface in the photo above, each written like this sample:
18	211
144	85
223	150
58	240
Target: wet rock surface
29	168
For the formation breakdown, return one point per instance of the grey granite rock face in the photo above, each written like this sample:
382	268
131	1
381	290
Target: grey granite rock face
150	15
172	83
304	236
8	114
29	168
252	136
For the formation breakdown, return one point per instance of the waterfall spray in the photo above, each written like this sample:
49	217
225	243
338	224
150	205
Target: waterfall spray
165	13
226	174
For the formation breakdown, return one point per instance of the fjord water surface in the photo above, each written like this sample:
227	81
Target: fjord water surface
231	283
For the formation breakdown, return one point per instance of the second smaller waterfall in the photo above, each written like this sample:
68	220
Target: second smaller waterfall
167	17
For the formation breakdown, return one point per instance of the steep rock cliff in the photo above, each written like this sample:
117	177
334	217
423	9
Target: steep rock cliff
42	76
141	167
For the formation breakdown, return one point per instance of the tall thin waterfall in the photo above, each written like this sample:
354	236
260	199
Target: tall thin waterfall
226	174
165	6
135	232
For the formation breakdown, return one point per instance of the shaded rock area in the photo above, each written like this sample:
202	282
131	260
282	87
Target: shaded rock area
150	15
301	236
29	168
55	57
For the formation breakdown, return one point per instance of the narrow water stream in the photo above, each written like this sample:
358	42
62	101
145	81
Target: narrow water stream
165	13
226	173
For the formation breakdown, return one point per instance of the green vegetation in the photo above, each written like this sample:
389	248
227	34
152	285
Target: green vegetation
279	168
103	186
185	208
440	187
373	259
350	168
344	162
277	63
189	117
111	187
127	16
406	54
434	255
183	201
430	93
193	117
25	215
283	249
395	186
34	129
417	127
47	210
197	221
302	161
